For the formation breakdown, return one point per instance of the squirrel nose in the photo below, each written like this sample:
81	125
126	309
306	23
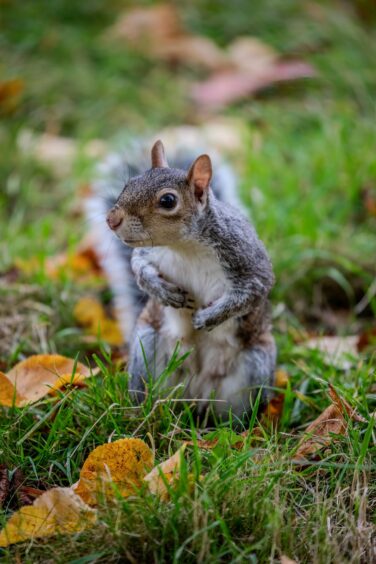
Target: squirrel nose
115	218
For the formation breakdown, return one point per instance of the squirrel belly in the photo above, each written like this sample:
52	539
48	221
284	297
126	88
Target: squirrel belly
196	267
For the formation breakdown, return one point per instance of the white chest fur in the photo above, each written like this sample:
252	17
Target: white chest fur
197	270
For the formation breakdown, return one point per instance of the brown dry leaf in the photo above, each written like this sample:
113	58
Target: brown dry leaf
165	471
369	201
150	24
158	32
4	484
332	421
39	375
56	511
202	443
191	50
10	91
367	340
90	314
123	464
23	494
335	350
56	152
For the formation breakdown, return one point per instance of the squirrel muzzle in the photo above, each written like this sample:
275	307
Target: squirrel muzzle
115	218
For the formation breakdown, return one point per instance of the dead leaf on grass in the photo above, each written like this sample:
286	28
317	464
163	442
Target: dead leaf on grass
39	375
4	484
332	421
367	340
225	87
10	91
57	511
123	464
56	152
167	471
91	315
158	32
336	351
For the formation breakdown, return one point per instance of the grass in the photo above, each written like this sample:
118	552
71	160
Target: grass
308	159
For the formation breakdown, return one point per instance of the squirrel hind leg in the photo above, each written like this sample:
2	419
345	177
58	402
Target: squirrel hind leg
147	359
254	370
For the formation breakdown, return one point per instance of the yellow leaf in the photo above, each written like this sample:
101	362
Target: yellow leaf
56	511
90	314
88	311
8	394
166	471
39	375
123	463
274	409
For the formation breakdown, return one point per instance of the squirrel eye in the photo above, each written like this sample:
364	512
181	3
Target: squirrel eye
168	201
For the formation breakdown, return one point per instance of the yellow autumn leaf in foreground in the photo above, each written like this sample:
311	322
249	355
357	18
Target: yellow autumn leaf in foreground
90	314
39	375
167	471
123	464
56	511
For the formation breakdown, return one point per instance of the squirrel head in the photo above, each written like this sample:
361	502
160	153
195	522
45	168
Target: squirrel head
161	206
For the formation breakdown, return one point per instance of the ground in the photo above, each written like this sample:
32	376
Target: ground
308	176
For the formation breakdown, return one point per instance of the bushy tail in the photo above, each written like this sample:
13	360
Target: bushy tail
114	256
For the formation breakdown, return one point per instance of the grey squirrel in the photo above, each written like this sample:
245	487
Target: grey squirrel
188	267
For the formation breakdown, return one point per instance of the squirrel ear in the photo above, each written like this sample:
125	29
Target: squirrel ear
158	157
199	176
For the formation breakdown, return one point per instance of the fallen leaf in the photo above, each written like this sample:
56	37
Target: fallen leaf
4	484
56	152
274	408
123	463
251	55
24	494
367	340
331	421
336	351
158	32
8	393
369	201
57	511
10	91
287	560
83	265
167	471
90	314
225	87
207	444
39	375
191	50
148	24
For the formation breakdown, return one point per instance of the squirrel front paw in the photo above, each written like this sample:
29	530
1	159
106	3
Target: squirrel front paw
202	319
170	295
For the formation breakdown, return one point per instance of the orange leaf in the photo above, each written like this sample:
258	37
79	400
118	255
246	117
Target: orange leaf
39	375
123	463
8	393
56	511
